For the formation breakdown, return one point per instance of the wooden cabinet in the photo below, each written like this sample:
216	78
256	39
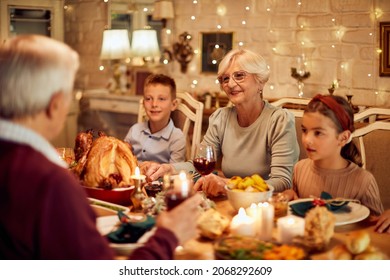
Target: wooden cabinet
43	17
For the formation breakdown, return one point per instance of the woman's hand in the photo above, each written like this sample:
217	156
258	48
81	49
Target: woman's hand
211	185
383	223
290	194
154	170
182	220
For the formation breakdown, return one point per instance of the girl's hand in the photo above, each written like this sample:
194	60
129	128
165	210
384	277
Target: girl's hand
383	223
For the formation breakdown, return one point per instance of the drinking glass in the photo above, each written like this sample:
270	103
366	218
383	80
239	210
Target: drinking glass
205	159
180	190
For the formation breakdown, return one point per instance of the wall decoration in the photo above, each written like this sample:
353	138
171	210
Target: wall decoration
384	57
214	47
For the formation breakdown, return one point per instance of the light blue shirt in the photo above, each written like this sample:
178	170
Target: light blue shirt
165	146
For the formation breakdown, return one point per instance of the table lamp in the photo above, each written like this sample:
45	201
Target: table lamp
116	47
144	46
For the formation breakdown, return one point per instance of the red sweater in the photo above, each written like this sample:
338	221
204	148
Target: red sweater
44	213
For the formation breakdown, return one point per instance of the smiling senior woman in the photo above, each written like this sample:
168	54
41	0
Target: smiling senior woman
253	137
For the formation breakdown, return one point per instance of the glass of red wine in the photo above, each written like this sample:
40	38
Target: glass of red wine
205	159
179	191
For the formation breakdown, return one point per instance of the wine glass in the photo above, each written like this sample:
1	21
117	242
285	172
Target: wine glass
205	159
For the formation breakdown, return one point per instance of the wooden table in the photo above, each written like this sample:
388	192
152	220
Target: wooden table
202	249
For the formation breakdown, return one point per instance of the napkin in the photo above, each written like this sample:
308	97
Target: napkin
129	231
301	208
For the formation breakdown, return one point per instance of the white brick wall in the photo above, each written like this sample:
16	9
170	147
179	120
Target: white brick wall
276	34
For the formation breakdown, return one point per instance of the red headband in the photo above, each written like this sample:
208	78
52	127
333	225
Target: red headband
339	111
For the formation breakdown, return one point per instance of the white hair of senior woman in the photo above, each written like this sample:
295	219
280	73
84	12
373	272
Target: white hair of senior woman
248	61
32	69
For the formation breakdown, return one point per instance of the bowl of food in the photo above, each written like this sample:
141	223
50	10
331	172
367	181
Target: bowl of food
119	196
242	192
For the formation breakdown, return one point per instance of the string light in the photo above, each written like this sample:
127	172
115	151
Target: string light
193	17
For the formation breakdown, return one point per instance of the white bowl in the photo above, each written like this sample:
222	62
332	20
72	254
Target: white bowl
245	199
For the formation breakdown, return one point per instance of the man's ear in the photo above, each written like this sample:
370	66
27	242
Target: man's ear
54	105
175	103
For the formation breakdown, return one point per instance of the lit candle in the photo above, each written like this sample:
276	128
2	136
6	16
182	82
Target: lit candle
289	227
242	224
182	184
263	214
266	220
138	178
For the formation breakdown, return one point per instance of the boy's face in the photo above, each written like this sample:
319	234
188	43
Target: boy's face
158	103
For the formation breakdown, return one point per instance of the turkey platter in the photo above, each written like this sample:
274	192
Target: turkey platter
105	162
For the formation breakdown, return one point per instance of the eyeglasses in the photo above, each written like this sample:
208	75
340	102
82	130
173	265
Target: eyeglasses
238	77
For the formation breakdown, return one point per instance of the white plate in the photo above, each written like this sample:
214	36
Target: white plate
104	208
107	224
357	212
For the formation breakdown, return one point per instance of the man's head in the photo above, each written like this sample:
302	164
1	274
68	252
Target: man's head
36	79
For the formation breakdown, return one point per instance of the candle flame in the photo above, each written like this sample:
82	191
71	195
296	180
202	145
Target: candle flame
182	176
241	212
290	221
137	172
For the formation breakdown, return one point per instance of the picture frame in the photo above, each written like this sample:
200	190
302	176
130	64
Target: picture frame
211	56
384	42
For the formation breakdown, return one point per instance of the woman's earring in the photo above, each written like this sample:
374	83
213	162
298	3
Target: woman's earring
260	91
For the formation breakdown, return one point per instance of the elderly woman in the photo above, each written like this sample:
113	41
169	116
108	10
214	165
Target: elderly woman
253	137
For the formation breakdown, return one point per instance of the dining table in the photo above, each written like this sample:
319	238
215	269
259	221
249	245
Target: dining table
201	248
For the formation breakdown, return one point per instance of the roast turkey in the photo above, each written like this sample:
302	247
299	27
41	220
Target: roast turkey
105	162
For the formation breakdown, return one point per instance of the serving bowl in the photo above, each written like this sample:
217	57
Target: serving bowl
119	196
244	199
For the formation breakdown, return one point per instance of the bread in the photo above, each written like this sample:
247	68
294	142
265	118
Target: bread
376	255
357	242
212	224
340	252
319	228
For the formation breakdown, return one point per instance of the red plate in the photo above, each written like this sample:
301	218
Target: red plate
119	196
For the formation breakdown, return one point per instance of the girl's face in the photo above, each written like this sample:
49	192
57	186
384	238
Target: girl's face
320	138
240	86
158	103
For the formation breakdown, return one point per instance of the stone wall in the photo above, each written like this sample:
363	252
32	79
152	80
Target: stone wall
339	39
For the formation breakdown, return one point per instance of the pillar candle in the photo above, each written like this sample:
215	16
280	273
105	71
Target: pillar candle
265	214
242	224
289	227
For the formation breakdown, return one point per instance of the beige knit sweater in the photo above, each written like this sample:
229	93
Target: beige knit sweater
351	182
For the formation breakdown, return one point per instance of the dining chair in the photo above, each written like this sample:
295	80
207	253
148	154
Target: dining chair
188	116
372	114
372	140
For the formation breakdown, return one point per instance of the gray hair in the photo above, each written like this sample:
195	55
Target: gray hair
32	69
248	61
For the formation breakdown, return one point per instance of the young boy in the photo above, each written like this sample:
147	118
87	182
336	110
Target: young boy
158	139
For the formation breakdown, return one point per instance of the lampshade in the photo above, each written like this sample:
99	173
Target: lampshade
163	9
115	44
144	43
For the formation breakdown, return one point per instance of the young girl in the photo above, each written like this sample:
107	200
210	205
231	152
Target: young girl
333	164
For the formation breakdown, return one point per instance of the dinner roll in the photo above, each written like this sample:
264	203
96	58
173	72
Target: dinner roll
340	252
377	255
357	242
212	224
